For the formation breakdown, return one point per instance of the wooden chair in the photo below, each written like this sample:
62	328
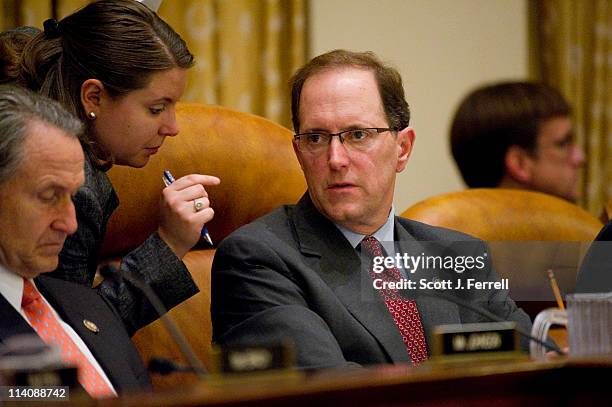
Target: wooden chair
258	171
527	233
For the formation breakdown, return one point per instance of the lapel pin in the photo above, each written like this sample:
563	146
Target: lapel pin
91	326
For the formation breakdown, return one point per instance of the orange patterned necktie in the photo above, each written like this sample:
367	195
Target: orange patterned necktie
51	332
404	312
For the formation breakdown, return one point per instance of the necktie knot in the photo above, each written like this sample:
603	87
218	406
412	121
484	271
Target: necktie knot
371	246
30	293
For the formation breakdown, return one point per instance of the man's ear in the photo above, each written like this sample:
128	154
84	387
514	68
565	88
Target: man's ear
519	164
91	95
405	140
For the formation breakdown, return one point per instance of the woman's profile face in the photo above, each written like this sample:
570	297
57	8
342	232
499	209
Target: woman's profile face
133	127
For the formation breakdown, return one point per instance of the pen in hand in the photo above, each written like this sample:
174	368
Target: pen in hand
169	179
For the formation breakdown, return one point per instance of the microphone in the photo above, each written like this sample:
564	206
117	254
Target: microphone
25	360
486	314
195	365
28	351
164	366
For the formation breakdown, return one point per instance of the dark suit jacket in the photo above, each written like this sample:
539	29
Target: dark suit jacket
292	274
111	347
595	274
153	261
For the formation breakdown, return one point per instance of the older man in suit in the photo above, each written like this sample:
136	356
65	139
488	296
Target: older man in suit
41	168
298	273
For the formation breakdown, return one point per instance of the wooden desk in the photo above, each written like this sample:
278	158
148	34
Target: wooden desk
552	383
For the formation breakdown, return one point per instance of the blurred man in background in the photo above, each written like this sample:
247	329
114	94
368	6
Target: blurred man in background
517	135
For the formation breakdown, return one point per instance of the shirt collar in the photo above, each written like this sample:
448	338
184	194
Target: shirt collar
11	287
384	234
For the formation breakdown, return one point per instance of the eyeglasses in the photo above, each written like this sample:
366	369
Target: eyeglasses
356	139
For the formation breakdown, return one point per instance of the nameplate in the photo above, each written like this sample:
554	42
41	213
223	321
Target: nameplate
251	359
61	376
486	340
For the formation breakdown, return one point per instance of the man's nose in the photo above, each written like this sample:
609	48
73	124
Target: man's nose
337	154
577	156
66	222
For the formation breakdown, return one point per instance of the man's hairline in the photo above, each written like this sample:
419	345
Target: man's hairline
338	68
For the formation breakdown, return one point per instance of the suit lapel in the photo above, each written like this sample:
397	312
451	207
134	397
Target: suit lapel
12	323
340	267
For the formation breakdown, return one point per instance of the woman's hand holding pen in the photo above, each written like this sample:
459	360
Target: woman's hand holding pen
184	209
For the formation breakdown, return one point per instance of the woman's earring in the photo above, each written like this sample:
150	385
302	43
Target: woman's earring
91	116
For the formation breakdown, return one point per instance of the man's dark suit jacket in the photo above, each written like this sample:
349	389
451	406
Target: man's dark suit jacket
595	274
111	346
153	261
292	274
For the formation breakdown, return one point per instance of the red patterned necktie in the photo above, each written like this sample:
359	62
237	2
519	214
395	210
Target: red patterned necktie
404	312
51	332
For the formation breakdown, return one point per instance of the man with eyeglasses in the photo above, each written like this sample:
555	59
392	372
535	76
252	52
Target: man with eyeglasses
517	135
298	273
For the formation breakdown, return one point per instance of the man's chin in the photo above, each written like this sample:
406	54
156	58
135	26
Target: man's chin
341	213
45	265
571	196
349	218
30	272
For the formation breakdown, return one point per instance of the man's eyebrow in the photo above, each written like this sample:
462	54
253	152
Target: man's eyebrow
52	184
316	130
347	128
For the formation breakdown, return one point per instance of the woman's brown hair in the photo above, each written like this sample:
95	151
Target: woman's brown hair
119	42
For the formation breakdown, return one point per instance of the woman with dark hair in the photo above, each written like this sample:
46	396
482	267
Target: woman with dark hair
121	69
